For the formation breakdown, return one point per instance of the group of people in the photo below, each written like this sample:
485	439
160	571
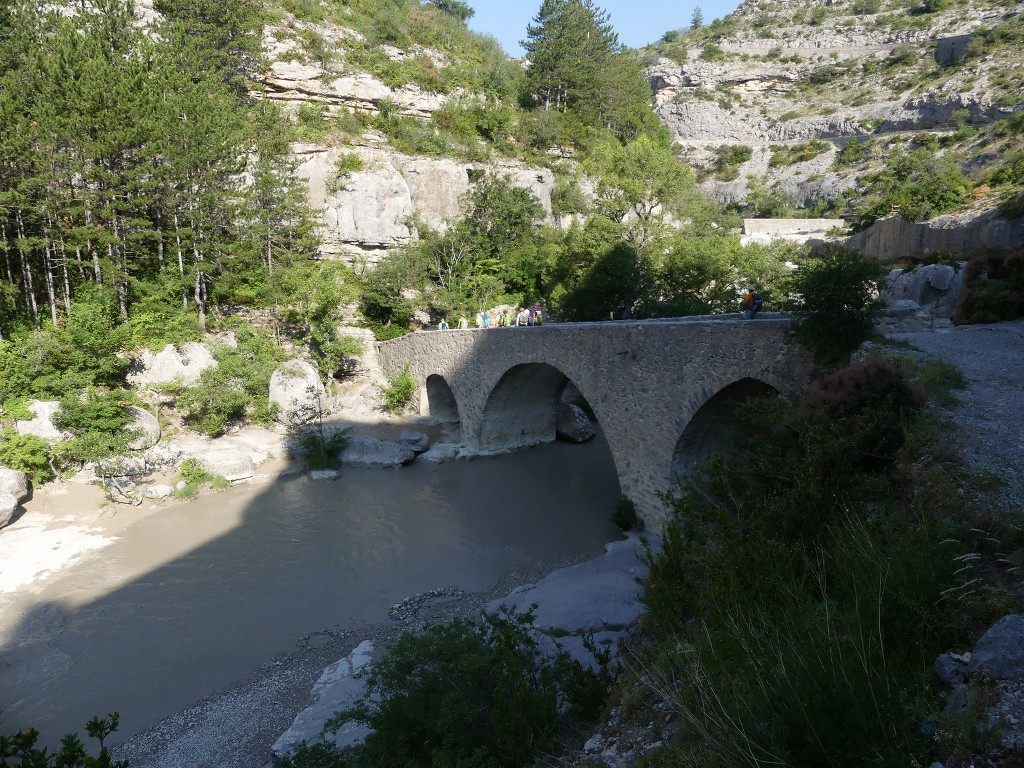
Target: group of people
752	304
524	316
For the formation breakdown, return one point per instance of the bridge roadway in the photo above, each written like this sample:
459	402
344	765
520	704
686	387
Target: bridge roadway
663	391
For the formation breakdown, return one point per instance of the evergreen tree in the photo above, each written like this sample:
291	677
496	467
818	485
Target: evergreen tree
577	66
697	19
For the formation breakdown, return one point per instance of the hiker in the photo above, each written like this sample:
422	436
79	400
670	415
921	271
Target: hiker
501	319
752	303
486	320
480	319
510	319
463	323
443	325
523	318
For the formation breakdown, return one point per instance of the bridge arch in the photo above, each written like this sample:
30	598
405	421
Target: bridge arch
712	428
439	401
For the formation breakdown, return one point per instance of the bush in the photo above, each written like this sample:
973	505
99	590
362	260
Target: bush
27	453
469	694
98	423
399	391
237	388
993	290
837	304
195	478
624	515
803	588
71	753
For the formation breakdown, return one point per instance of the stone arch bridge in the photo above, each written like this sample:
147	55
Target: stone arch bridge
663	391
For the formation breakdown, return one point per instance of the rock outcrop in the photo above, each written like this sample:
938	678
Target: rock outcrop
894	239
369	211
172	366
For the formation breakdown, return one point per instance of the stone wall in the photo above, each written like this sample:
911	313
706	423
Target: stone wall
963	235
645	381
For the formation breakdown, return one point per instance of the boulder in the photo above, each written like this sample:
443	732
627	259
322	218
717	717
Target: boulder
364	451
441	453
999	654
146	425
230	464
122	466
418	441
298	393
14	489
339	688
935	287
170	365
573	425
159	491
42	425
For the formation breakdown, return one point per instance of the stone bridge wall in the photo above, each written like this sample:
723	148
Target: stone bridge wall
644	380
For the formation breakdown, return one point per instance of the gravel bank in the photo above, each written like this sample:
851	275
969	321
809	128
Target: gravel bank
990	416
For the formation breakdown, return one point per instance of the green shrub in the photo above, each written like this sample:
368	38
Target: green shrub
940	378
195	478
98	423
27	453
993	290
624	515
836	305
70	754
399	391
729	158
803	588
238	388
321	447
468	694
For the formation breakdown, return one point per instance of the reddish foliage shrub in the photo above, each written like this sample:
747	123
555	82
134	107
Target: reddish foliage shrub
993	290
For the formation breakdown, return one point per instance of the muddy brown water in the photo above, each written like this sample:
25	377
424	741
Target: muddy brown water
193	597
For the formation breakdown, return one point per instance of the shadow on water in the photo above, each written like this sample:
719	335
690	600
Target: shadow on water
195	597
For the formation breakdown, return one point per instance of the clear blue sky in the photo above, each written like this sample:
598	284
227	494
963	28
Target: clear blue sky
637	22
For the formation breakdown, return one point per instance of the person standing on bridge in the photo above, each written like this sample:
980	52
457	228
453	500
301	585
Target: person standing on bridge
463	323
523	318
752	303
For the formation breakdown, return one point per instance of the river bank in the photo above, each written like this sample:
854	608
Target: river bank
239	600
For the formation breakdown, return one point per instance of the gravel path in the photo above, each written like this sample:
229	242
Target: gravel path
990	415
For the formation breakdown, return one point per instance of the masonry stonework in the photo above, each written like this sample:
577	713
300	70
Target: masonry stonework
644	380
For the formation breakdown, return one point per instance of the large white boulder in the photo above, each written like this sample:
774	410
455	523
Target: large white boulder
229	464
42	424
14	489
171	365
146	426
298	393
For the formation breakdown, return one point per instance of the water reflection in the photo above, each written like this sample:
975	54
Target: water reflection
172	615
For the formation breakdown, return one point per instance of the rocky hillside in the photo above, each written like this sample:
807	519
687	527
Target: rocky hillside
779	89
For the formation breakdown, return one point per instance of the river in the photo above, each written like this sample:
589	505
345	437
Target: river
192	597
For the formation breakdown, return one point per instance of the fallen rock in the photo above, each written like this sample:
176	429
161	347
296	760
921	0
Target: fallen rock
230	464
573	425
298	393
418	441
365	451
42	424
146	425
441	453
